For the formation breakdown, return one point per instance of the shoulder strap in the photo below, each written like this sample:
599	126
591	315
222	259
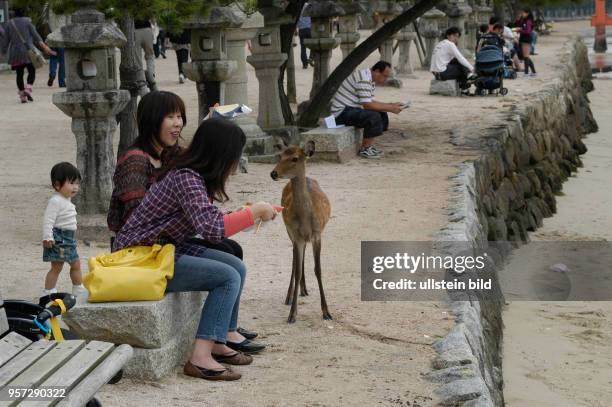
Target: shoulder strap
18	33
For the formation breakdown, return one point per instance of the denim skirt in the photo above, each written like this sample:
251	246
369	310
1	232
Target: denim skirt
64	247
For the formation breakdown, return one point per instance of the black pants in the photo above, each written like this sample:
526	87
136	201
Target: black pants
182	56
226	245
454	70
31	75
304	33
373	123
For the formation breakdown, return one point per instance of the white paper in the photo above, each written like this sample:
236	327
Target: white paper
330	123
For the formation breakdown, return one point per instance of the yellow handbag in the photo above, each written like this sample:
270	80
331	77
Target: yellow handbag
137	273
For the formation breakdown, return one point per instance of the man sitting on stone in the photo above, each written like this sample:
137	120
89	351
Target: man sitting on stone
447	62
354	105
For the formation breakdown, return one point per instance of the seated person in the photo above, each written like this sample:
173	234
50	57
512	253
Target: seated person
354	105
447	62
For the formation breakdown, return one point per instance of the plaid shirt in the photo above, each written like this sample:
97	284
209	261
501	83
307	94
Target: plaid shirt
175	209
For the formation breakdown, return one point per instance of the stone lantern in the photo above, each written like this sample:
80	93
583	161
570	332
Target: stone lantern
348	27
92	99
210	66
405	38
236	87
387	11
322	42
431	31
267	59
458	13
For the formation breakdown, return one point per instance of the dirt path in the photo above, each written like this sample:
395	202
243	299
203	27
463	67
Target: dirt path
372	353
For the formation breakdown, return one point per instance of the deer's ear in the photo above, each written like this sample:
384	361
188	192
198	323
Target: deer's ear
309	148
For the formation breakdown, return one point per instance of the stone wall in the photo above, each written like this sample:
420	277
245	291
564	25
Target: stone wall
499	197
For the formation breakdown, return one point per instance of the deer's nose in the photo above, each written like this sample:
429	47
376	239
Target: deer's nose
274	175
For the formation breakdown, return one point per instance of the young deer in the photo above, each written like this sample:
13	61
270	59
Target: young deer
306	212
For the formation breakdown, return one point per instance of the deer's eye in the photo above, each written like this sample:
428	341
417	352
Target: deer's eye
294	159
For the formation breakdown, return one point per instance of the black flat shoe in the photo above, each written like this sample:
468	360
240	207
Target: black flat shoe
246	333
246	346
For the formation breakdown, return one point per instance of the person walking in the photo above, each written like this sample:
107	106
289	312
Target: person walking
304	31
56	22
181	43
19	38
144	39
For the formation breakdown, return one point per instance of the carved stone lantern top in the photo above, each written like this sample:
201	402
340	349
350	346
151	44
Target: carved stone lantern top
323	9
458	9
218	18
434	14
352	8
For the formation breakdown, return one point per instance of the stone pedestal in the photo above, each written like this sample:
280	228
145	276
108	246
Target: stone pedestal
405	38
431	32
348	27
445	88
322	41
387	11
457	16
161	332
91	99
267	59
210	66
336	145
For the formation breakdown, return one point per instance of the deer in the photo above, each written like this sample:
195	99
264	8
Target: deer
306	212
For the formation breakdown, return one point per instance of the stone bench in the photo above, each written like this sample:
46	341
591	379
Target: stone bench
338	145
161	332
446	88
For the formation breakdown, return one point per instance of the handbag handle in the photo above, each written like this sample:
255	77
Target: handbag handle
19	34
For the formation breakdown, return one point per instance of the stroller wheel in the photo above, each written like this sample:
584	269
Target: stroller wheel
481	92
503	91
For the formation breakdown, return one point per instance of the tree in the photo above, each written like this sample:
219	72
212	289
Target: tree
323	97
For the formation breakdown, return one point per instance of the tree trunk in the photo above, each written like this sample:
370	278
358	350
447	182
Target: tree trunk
132	80
322	99
294	8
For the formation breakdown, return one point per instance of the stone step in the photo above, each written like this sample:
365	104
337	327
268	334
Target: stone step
143	324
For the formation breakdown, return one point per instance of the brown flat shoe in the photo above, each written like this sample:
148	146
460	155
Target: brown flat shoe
208	374
237	358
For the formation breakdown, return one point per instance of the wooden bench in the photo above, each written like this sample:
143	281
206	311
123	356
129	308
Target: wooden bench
76	368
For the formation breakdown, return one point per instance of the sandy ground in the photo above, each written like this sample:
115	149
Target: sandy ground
372	353
559	353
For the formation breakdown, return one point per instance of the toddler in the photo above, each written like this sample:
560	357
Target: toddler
59	228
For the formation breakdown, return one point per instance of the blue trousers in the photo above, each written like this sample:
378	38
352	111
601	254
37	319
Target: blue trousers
54	61
222	275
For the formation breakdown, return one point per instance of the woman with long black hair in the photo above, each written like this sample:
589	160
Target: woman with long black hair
179	206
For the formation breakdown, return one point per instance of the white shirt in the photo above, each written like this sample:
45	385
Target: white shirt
443	53
60	213
508	35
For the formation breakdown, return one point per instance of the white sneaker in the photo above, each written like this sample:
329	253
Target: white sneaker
181	78
369	153
376	150
80	293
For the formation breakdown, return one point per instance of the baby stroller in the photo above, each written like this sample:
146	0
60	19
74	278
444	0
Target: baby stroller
490	67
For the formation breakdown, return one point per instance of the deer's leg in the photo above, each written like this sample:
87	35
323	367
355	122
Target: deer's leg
298	276
303	290
293	273
316	251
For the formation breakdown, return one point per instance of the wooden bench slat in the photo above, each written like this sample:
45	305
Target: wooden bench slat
89	386
11	345
28	356
42	368
4	326
75	369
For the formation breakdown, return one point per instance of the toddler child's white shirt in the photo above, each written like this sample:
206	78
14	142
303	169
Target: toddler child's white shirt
60	213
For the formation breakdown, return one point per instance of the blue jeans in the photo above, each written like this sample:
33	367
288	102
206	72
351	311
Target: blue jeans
54	61
222	275
373	123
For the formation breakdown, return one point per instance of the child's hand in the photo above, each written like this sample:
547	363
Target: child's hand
47	244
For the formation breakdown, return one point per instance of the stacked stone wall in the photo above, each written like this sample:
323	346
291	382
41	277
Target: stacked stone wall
501	196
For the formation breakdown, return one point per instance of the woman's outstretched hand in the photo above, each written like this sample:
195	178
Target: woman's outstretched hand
263	210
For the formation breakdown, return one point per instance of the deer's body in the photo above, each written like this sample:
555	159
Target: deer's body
306	212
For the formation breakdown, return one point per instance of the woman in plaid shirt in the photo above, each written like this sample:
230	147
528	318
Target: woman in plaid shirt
179	206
